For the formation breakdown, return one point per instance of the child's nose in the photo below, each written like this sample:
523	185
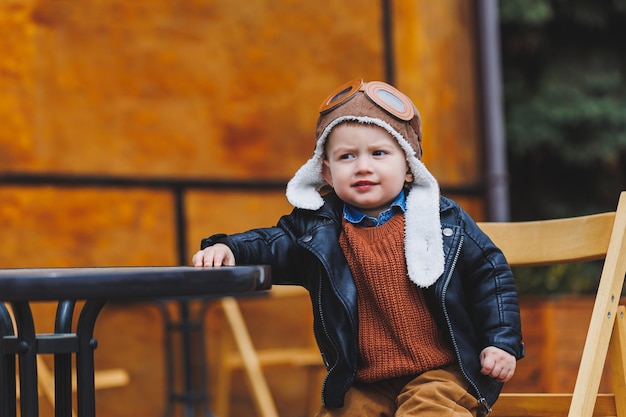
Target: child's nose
364	163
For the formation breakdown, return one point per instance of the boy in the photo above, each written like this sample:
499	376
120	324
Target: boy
415	309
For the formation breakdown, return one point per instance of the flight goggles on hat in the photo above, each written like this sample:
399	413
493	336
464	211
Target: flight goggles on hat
381	94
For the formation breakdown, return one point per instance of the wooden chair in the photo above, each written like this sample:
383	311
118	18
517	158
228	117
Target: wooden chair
600	236
254	361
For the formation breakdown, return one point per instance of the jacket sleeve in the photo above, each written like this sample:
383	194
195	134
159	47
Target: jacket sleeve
490	292
274	246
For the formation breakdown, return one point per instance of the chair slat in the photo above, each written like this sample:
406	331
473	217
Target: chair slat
547	405
548	242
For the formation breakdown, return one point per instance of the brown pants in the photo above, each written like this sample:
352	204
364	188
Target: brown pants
437	393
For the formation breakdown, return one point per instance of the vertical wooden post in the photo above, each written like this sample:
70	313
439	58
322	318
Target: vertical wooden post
617	356
602	319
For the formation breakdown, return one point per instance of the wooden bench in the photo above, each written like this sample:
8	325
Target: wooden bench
577	239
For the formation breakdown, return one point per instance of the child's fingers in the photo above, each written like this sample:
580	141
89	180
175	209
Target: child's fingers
223	256
217	255
219	258
204	257
497	364
198	258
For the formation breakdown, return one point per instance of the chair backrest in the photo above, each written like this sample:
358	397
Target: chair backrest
600	236
546	242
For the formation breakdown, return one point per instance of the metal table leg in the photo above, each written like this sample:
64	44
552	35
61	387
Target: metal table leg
189	330
7	367
63	362
27	345
86	393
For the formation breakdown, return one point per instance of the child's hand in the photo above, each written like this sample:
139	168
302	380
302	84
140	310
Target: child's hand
497	363
216	255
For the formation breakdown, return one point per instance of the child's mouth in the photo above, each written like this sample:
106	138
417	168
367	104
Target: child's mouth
363	184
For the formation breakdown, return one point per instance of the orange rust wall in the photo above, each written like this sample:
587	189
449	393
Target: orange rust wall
192	89
51	227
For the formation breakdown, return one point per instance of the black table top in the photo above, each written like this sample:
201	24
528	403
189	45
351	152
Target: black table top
44	284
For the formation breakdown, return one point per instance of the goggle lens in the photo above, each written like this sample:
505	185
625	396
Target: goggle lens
391	100
340	95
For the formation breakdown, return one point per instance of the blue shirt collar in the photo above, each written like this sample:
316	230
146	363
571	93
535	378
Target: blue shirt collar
354	215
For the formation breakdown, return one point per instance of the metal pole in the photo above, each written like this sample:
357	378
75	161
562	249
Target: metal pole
495	142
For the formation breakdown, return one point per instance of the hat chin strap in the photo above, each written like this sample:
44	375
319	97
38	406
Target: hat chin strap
423	244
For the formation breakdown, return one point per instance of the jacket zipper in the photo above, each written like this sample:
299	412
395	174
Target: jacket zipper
481	400
332	342
329	368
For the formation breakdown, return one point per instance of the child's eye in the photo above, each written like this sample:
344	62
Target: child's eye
379	153
346	156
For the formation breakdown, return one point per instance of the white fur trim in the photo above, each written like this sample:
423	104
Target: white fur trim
423	244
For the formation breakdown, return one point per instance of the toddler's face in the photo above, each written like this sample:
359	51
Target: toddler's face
366	166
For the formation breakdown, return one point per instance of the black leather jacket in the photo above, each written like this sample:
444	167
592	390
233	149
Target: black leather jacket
474	299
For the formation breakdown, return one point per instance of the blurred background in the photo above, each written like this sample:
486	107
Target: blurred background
129	130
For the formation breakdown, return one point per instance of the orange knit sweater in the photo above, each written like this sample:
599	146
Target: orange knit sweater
397	334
